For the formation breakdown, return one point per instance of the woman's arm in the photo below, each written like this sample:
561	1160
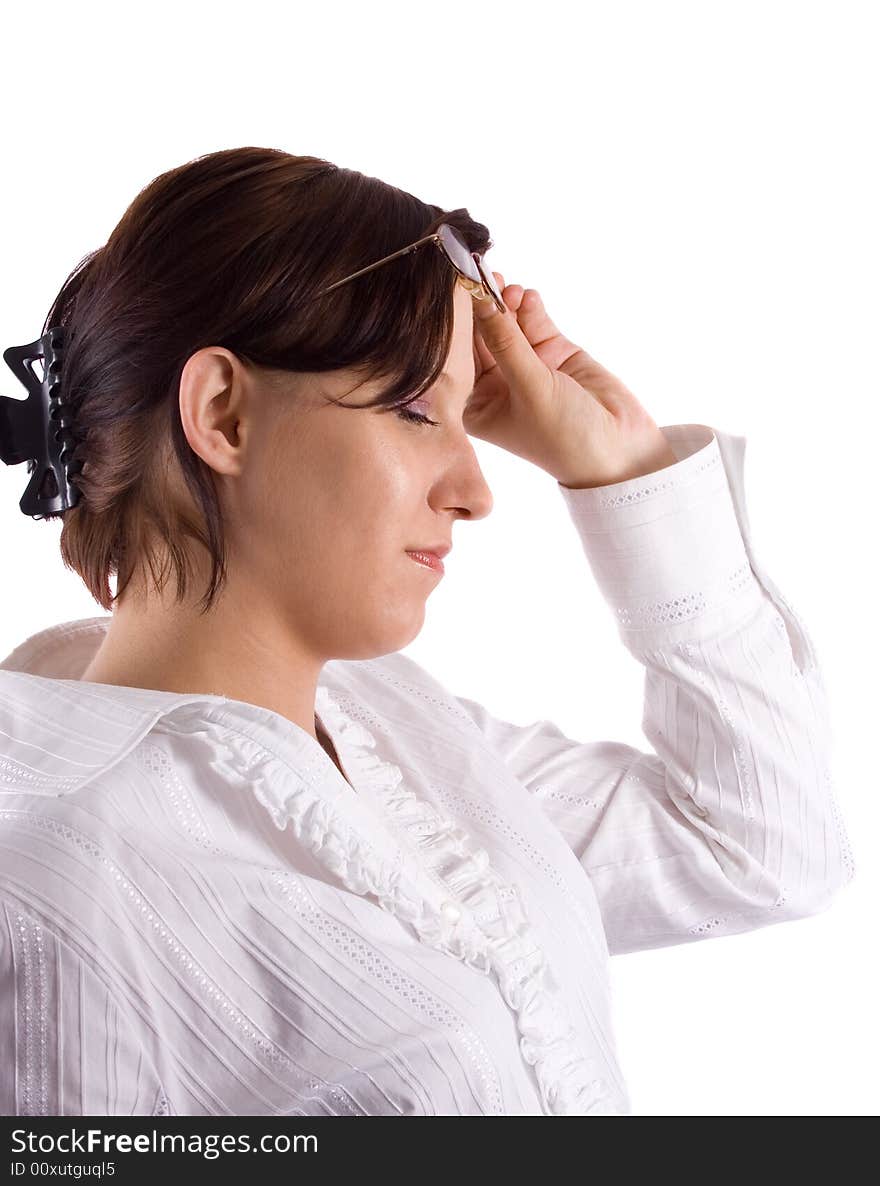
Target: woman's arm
67	1050
730	822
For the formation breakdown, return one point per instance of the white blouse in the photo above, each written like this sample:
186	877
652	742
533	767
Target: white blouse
200	915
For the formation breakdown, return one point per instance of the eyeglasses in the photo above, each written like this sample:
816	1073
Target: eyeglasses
474	274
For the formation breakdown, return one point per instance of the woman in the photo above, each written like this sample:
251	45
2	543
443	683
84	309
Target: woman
255	860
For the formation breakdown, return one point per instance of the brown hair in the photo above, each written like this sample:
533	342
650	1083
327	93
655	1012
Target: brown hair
230	249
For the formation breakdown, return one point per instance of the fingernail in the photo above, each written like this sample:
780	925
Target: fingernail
485	307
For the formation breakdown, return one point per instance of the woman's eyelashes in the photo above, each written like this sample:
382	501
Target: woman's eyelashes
415	417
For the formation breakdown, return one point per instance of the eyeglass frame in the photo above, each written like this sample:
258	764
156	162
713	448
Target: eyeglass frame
479	290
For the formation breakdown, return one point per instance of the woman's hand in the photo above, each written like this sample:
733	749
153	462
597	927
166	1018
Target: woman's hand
540	396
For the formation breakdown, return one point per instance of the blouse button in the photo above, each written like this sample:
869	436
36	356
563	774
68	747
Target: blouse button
451	911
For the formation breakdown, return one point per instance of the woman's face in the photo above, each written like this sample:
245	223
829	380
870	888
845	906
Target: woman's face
329	500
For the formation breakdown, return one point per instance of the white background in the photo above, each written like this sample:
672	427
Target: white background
693	188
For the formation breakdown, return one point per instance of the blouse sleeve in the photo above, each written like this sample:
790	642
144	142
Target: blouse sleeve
729	822
66	1049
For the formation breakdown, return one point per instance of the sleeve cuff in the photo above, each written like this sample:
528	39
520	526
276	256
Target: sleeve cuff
670	550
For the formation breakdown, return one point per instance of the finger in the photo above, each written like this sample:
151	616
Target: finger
490	384
548	341
508	344
482	355
536	322
513	295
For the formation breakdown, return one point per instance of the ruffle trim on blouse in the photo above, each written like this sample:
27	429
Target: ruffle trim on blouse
289	798
492	932
510	949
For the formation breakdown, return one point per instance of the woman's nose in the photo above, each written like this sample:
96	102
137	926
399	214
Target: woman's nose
468	484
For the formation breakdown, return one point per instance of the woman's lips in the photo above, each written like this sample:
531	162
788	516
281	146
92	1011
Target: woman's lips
428	560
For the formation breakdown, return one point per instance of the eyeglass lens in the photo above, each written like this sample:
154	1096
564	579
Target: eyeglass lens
461	257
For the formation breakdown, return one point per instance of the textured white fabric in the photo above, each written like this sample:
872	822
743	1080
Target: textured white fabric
199	915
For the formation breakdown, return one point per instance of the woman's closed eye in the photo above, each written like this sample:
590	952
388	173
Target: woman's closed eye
415	417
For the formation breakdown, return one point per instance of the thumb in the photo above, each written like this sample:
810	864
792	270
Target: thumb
511	349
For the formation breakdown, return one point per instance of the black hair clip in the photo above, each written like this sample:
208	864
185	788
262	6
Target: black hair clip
37	429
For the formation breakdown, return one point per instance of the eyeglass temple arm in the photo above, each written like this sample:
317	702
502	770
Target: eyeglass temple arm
369	267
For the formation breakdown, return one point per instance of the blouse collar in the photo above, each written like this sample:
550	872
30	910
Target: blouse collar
93	725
